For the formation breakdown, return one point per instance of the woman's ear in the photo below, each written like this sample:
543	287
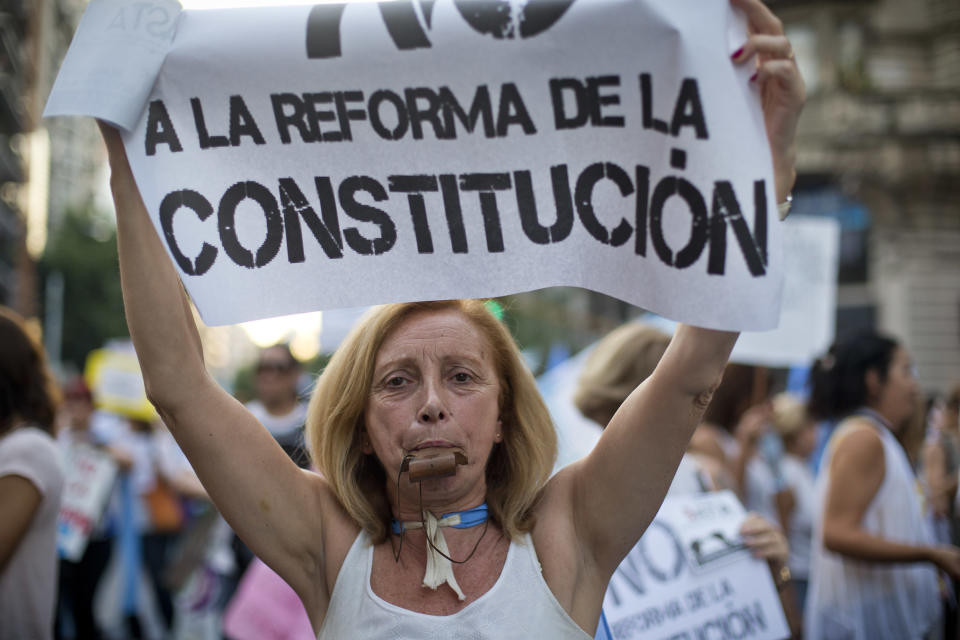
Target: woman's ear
873	384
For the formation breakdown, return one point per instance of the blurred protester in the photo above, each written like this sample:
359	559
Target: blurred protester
873	557
81	425
618	364
798	432
941	465
743	386
278	405
31	482
757	466
160	477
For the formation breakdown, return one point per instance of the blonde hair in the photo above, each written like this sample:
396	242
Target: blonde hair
518	467
789	415
618	364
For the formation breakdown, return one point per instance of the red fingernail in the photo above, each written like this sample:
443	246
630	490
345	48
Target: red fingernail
736	54
753	78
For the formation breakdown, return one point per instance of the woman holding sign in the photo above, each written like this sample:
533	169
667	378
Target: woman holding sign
434	516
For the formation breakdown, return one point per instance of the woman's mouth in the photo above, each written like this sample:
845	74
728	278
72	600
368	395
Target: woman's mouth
432	444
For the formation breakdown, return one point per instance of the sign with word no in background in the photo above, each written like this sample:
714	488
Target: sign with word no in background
690	578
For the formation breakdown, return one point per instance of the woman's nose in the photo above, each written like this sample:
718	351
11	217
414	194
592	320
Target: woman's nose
432	413
432	409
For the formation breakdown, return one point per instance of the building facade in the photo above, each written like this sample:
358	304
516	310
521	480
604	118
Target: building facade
879	149
46	167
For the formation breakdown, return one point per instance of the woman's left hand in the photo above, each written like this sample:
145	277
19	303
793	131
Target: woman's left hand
764	539
781	87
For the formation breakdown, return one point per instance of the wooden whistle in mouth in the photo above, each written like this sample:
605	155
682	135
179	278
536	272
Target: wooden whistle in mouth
441	465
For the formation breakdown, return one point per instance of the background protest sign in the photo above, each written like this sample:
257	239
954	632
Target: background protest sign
89	474
811	249
301	158
114	375
690	578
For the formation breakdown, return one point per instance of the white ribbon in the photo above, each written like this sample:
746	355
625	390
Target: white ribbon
439	569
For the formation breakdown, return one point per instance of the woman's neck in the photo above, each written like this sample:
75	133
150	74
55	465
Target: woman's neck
413	502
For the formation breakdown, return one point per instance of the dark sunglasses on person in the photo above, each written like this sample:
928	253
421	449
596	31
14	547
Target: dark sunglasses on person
274	367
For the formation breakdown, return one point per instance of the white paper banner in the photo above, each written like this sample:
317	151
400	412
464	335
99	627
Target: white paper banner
89	474
690	578
303	158
808	316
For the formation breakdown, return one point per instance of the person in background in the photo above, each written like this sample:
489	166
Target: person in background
80	424
798	432
159	477
278	405
31	482
757	467
941	464
873	561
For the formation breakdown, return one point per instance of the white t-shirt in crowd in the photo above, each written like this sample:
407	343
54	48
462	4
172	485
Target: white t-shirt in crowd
28	582
760	489
799	478
279	425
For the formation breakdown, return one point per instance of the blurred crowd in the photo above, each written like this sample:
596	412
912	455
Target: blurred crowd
851	480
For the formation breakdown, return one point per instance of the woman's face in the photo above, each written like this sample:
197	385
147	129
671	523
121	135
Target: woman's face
435	388
898	395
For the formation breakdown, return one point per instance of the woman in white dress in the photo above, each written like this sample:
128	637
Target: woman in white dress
873	559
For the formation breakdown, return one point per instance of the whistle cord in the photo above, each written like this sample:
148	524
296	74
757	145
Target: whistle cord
486	524
396	555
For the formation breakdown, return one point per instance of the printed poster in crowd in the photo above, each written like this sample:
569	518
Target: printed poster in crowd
117	383
301	158
89	474
691	578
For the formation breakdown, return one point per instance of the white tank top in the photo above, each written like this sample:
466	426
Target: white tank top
856	600
519	606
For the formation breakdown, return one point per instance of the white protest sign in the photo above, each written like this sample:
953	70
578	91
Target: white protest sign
303	158
114	59
690	578
89	474
811	249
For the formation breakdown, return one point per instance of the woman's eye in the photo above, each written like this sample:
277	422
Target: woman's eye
461	376
396	381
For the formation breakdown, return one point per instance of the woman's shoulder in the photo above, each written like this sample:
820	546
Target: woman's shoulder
27	441
861	428
32	453
858	442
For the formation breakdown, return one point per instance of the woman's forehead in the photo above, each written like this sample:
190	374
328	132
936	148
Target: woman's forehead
437	333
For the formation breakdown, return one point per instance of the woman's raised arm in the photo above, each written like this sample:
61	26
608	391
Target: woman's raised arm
616	491
620	485
273	505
